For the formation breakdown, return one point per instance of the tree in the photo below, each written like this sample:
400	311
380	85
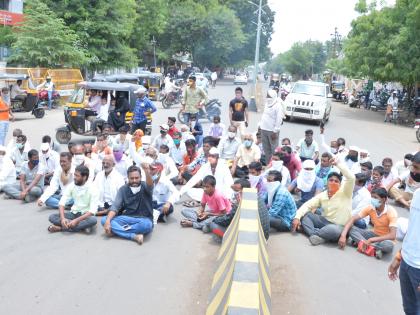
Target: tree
44	40
104	28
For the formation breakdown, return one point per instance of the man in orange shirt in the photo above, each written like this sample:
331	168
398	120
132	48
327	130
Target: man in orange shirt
384	220
5	116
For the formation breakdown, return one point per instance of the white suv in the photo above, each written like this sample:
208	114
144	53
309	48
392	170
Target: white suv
309	100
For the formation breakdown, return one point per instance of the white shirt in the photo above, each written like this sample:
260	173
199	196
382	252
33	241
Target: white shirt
123	165
360	201
7	172
224	179
16	90
11	146
177	153
399	168
19	158
228	148
411	243
390	178
169	168
272	117
103	112
56	184
286	179
108	186
159	140
164	191
393	102
213	76
50	162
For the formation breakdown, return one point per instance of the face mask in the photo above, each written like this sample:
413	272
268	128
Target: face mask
19	145
135	190
352	158
248	143
334	151
231	135
277	164
333	188
163	133
35	162
155	177
46	155
78	159
253	179
148	160
177	141
415	176
118	155
375	203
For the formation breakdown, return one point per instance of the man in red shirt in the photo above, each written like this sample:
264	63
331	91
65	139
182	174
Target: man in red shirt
290	161
172	127
213	204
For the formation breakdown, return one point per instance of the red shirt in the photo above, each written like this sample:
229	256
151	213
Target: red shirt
172	130
294	166
216	202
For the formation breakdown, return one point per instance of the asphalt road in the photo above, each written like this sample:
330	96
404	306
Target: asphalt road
171	273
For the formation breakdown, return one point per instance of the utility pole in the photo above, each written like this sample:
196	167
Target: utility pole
154	50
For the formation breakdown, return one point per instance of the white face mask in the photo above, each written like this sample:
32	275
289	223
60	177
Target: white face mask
254	180
231	135
1	158
271	189
46	155
135	190
78	159
277	165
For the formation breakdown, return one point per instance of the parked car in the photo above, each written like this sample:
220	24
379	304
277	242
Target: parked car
240	78
309	100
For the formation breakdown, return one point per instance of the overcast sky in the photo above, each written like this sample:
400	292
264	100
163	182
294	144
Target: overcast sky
300	20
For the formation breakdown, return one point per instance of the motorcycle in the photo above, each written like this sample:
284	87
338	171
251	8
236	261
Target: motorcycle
212	110
379	103
417	127
43	99
171	99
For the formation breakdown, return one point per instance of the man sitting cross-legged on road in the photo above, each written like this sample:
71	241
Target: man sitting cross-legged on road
213	204
280	203
131	214
336	208
85	198
62	178
384	220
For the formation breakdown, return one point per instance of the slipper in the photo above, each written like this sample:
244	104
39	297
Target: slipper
191	204
53	228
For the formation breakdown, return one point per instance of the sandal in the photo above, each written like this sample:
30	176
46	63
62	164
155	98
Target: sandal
191	204
54	228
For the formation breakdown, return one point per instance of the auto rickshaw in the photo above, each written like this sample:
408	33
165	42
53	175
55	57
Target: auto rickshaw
150	80
337	88
31	102
75	111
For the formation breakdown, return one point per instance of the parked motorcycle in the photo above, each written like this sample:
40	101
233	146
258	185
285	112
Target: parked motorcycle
171	99
379	103
212	109
417	127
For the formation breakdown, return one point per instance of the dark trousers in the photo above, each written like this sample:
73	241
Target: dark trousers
279	224
86	223
241	172
141	125
315	224
410	288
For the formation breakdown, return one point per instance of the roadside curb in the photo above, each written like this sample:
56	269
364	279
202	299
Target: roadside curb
241	282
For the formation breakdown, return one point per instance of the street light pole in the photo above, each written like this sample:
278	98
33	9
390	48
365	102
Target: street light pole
154	50
257	45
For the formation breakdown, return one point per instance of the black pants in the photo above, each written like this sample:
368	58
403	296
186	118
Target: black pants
241	172
141	126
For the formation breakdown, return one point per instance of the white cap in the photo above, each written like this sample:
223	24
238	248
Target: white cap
2	148
45	146
164	127
146	139
214	151
141	90
308	164
364	151
354	148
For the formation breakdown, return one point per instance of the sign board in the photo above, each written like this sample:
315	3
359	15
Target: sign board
10	18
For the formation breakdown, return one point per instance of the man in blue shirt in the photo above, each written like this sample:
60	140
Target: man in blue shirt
280	203
143	105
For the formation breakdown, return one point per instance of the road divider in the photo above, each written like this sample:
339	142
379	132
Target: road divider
241	283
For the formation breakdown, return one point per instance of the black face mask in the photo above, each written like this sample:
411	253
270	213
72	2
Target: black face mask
351	157
415	176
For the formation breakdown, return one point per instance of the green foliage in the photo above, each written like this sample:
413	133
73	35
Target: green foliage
384	44
44	39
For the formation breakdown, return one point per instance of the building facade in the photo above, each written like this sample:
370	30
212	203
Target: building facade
10	14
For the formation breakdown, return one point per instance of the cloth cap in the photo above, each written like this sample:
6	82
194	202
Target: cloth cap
141	90
164	127
308	164
45	146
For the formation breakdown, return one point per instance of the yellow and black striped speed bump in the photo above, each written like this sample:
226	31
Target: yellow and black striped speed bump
241	283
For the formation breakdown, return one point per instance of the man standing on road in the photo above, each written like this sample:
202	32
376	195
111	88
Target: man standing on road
408	260
238	112
81	216
392	105
5	116
194	98
271	120
131	214
143	105
213	79
336	205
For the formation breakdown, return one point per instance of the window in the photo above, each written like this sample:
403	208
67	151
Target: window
309	89
4	5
